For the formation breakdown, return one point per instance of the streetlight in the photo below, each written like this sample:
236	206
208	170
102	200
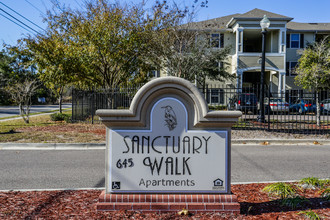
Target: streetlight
264	23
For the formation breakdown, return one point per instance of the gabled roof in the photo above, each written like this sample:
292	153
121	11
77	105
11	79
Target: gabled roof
222	23
256	15
212	24
297	26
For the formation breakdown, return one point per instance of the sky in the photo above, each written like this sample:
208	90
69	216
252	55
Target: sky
35	10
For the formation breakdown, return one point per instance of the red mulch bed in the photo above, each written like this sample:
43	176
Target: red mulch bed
255	204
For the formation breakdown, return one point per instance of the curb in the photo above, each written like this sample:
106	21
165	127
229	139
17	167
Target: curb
102	146
281	142
52	146
51	189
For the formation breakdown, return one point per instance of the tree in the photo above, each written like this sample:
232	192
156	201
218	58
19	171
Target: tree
14	65
313	71
196	61
5	76
56	70
21	80
188	53
21	93
202	3
103	46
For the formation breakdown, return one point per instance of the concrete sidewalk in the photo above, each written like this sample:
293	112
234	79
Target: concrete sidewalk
100	146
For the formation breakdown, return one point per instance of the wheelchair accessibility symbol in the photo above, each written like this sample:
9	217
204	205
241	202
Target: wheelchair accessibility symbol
115	185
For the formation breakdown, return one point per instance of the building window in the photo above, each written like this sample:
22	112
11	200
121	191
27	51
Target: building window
216	40
291	67
294	41
215	96
155	73
219	65
320	37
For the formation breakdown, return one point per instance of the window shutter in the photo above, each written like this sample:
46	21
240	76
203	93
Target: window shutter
222	40
287	69
301	40
288	41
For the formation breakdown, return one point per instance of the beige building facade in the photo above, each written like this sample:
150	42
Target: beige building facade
284	43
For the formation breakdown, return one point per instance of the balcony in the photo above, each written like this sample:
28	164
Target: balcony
252	41
274	61
249	52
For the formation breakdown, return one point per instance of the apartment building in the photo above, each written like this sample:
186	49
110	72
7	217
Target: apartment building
284	43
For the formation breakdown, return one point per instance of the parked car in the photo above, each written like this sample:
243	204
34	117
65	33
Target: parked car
276	105
303	106
326	105
244	102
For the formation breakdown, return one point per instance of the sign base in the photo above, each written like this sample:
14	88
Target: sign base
160	203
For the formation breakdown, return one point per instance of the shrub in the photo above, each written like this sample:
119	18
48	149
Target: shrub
68	119
217	107
309	214
325	183
311	182
326	194
284	190
60	117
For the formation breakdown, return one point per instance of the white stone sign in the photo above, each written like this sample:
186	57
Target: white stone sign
168	157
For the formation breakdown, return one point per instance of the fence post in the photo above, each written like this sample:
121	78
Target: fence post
268	109
93	100
206	93
73	104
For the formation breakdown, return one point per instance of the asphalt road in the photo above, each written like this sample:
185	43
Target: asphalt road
7	111
51	169
278	163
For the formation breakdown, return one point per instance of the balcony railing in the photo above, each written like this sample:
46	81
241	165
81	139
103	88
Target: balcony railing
273	60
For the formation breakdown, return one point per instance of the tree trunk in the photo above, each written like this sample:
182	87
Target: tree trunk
204	89
21	110
112	99
318	110
27	112
60	99
60	103
24	114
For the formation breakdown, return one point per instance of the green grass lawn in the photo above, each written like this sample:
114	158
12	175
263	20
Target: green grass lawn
12	125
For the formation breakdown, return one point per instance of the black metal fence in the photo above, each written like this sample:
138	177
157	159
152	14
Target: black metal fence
294	111
86	102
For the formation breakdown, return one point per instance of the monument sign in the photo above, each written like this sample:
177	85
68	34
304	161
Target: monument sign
168	157
167	143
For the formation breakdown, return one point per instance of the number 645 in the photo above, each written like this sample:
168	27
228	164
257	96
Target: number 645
124	163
